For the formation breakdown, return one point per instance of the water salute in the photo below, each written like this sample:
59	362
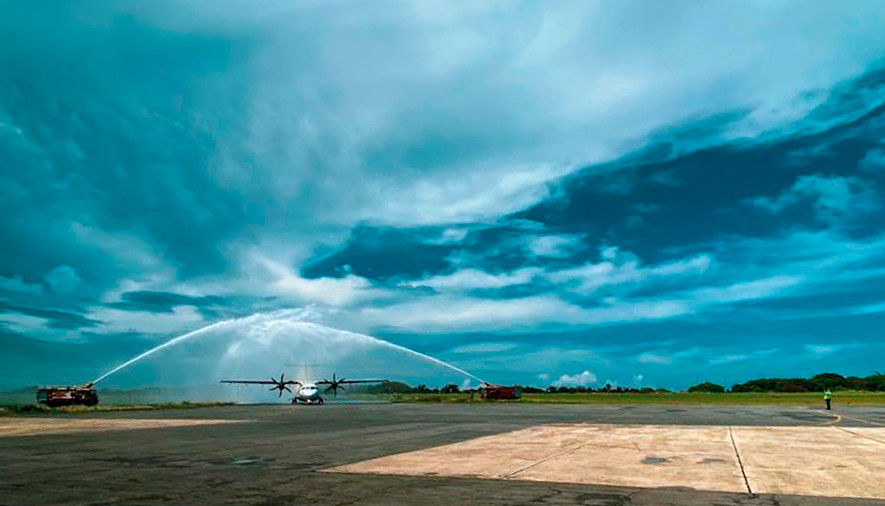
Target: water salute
442	252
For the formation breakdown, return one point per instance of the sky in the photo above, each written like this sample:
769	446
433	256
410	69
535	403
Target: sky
568	193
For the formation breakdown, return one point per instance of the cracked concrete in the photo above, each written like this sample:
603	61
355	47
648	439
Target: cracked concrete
814	461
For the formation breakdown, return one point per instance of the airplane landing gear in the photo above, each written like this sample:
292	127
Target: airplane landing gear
294	400
321	401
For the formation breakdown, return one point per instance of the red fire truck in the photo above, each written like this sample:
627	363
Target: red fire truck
66	396
489	391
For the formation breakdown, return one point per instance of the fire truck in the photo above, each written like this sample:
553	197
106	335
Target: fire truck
489	391
67	396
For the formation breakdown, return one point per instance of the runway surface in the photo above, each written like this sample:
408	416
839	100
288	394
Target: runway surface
484	454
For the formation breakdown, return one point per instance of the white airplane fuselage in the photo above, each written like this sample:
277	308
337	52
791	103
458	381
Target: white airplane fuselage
307	393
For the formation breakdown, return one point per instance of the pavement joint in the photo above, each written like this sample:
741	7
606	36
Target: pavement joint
871	438
737	454
548	459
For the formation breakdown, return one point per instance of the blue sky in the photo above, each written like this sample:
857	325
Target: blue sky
539	192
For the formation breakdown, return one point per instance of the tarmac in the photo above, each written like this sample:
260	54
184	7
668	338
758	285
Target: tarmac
445	454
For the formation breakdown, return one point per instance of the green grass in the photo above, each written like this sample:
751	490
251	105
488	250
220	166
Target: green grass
39	409
694	398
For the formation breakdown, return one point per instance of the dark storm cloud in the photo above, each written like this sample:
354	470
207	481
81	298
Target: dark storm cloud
659	203
716	185
383	253
57	319
164	302
124	143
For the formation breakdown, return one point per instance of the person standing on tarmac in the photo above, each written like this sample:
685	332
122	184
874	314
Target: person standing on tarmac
828	396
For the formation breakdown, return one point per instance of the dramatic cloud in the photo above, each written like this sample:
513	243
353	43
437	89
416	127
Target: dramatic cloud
833	197
526	190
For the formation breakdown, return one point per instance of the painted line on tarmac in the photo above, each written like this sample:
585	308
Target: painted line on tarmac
837	419
862	420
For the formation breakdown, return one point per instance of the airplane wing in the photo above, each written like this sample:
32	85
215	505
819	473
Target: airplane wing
251	382
347	382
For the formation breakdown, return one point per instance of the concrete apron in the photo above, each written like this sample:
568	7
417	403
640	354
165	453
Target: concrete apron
817	461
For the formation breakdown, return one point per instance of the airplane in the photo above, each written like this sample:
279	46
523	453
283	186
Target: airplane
307	392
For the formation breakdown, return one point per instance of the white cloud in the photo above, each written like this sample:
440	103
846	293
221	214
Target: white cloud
180	320
451	235
728	359
484	348
544	377
637	379
472	279
127	250
282	280
450	312
585	378
24	324
666	359
623	269
818	349
588	278
651	358
556	246
749	290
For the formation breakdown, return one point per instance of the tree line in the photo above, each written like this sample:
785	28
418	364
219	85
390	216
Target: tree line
818	383
395	387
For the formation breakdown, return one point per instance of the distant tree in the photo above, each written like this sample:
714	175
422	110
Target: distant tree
422	389
389	387
875	383
451	388
707	387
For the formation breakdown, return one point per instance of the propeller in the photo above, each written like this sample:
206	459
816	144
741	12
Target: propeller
335	385
279	385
